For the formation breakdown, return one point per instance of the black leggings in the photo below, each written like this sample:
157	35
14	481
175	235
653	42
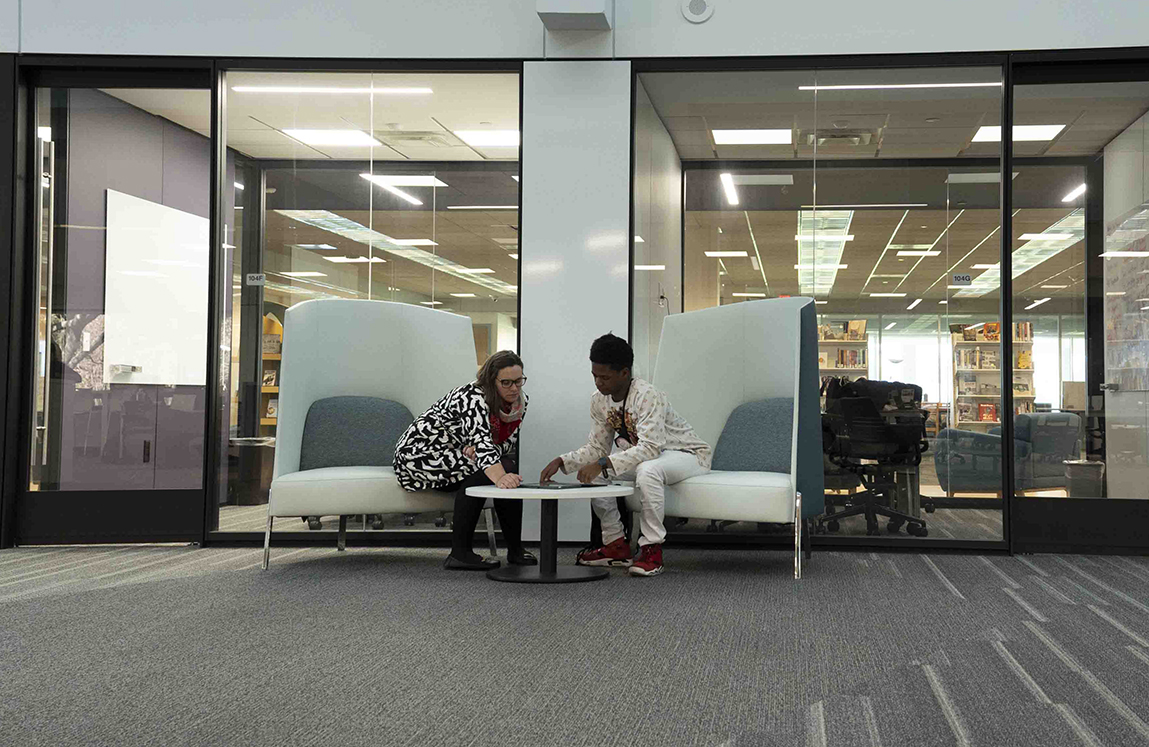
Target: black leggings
468	508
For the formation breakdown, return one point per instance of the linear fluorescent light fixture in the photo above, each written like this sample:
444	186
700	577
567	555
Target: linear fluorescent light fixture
994	266
896	86
919	252
1124	254
748	295
980	177
652	268
752	137
1077	192
415	90
405	180
821	238
1045	236
1054	287
891	325
482	207
860	205
238	185
305	274
764	180
1115	293
638	239
393	189
463	295
1036	303
943	303
415	242
489	138
728	186
821	303
1021	133
431	303
476	270
314	247
354	260
332	137
514	177
915	303
887	295
513	256
820	266
824	237
721	255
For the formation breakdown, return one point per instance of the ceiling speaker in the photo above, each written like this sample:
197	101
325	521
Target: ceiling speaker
697	11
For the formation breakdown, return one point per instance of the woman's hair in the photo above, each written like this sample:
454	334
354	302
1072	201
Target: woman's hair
489	371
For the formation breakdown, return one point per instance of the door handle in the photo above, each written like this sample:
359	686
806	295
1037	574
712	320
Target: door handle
1110	387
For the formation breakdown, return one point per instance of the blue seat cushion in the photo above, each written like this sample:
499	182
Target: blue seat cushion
757	437
352	432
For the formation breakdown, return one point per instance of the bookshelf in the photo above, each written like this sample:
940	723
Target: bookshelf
272	345
978	375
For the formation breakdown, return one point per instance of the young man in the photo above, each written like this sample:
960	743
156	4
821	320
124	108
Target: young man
657	448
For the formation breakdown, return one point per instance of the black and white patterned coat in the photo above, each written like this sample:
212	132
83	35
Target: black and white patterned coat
429	454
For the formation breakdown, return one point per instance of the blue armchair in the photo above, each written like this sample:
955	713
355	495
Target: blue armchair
970	462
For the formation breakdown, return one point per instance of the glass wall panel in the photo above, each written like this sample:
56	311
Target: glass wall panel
122	283
874	192
393	187
1081	283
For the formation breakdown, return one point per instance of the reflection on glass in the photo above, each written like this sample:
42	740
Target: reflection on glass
384	187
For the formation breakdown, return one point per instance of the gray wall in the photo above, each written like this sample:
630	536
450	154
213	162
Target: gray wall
112	145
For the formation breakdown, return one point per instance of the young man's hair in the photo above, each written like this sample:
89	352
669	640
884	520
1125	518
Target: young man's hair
612	351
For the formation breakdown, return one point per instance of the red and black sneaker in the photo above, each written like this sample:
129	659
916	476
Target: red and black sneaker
617	553
649	561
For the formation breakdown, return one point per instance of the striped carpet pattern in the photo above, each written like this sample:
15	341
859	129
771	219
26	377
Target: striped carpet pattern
182	646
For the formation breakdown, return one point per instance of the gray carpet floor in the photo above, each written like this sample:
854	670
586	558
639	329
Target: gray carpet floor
183	646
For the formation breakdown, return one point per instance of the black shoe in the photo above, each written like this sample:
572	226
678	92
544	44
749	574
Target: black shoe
472	563
522	557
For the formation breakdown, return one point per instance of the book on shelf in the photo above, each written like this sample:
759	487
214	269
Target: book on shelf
1023	331
987	412
1021	387
273	407
1024	407
957	328
965	411
823	359
967	383
988	358
270	376
991	331
272	344
856	329
1025	359
988	388
968	334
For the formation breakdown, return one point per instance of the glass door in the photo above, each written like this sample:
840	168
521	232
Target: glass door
120	253
1080	267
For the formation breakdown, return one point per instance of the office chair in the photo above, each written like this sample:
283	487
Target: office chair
861	441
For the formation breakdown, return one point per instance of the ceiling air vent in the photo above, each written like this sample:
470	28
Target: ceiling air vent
433	139
840	137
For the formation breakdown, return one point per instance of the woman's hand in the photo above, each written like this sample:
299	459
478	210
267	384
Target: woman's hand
509	481
469	452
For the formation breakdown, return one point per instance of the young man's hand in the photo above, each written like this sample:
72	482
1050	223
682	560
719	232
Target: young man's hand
589	472
550	470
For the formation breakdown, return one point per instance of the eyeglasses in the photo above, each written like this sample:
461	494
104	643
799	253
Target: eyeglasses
508	383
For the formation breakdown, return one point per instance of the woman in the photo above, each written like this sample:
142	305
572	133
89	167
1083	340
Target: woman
468	438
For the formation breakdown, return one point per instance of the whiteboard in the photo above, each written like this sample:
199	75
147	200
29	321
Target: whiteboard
155	293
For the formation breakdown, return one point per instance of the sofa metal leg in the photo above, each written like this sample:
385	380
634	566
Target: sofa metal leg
267	541
797	535
489	510
341	541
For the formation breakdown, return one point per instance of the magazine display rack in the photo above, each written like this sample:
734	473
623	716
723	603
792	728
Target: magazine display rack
269	388
979	375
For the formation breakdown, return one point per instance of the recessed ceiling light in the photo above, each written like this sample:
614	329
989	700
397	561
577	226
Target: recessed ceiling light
915	303
405	180
820	267
1045	236
891	325
943	303
332	137
1021	133
482	207
728	187
414	242
313	247
752	137
463	295
1115	293
894	86
489	138
431	303
650	267
725	254
305	274
1053	287
984	177
330	89
476	270
1077	192
513	256
867	205
238	185
933	120
1036	303
749	295
393	189
887	295
824	237
514	177
354	260
918	253
764	180
820	303
1125	254
994	266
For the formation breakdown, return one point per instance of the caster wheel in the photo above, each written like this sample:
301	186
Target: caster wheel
832	526
376	522
313	522
930	509
893	527
409	520
441	521
917	530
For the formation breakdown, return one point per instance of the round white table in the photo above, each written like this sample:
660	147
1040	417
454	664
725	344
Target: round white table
547	571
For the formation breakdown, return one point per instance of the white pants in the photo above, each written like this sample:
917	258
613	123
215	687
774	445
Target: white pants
650	480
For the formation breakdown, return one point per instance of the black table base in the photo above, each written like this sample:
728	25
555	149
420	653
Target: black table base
547	571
